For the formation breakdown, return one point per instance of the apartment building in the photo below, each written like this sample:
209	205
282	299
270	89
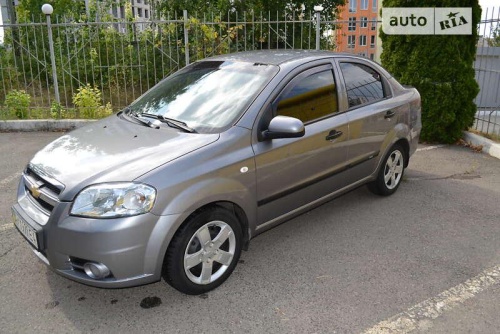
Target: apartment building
358	29
141	9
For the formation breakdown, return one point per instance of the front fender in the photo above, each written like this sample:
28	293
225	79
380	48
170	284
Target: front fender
188	201
215	190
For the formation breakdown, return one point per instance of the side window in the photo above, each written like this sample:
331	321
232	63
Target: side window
310	98
363	84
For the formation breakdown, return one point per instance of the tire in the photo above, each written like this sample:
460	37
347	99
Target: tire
391	172
203	252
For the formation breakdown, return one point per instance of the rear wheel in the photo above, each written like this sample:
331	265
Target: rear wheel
391	173
204	252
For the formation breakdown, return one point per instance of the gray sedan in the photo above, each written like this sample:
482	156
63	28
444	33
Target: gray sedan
177	184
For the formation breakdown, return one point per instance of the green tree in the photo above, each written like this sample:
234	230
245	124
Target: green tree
441	68
29	10
227	36
240	6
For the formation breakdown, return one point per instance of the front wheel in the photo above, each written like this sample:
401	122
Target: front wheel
391	172
204	252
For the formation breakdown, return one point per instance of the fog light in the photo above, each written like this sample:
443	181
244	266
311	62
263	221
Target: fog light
96	270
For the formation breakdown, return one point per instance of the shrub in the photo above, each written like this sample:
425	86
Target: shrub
441	68
88	102
4	113
39	113
18	103
56	110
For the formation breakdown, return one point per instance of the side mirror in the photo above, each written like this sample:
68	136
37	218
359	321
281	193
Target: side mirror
284	127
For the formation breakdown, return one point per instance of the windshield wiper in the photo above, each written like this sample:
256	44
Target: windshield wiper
172	122
137	117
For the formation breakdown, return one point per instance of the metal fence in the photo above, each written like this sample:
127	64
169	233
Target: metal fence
119	60
487	67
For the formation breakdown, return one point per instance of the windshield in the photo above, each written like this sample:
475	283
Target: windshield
207	96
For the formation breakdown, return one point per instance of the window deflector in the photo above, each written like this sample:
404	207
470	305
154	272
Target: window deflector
298	79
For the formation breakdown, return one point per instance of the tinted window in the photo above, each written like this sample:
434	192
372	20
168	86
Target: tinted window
310	98
363	84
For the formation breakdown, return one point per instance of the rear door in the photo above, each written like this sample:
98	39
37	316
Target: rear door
292	172
371	114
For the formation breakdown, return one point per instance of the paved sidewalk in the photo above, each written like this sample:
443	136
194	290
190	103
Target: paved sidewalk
489	146
49	125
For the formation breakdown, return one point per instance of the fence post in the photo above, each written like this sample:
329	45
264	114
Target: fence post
186	36
47	9
318	9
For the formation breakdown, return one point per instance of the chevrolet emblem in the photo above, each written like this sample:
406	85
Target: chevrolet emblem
35	191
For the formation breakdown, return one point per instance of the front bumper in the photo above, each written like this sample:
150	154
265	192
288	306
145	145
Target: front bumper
132	248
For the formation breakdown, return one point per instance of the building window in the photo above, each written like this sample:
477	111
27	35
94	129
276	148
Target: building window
362	40
122	11
139	1
352	6
352	24
364	4
372	41
364	22
372	56
374	5
139	12
146	13
373	24
351	41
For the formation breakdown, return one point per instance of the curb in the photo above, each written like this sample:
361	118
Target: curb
42	125
489	146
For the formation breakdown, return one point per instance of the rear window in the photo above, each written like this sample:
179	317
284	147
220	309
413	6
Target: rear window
363	84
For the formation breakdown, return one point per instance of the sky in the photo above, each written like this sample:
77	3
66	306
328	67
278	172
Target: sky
488	4
485	30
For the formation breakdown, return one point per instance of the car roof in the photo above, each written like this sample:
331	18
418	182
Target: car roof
279	57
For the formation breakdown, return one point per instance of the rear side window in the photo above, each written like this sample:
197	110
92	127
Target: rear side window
363	84
310	97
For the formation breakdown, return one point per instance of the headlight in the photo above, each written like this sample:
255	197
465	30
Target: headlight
109	200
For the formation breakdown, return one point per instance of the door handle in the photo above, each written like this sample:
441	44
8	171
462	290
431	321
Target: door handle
389	114
333	134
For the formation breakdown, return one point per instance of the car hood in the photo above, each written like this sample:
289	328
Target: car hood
112	150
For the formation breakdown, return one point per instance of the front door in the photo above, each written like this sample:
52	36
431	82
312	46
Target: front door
293	172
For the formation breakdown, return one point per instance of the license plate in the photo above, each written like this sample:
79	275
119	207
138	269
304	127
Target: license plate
26	230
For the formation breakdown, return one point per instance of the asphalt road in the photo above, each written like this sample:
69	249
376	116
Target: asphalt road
426	258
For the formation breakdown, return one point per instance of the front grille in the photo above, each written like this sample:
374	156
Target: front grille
40	191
